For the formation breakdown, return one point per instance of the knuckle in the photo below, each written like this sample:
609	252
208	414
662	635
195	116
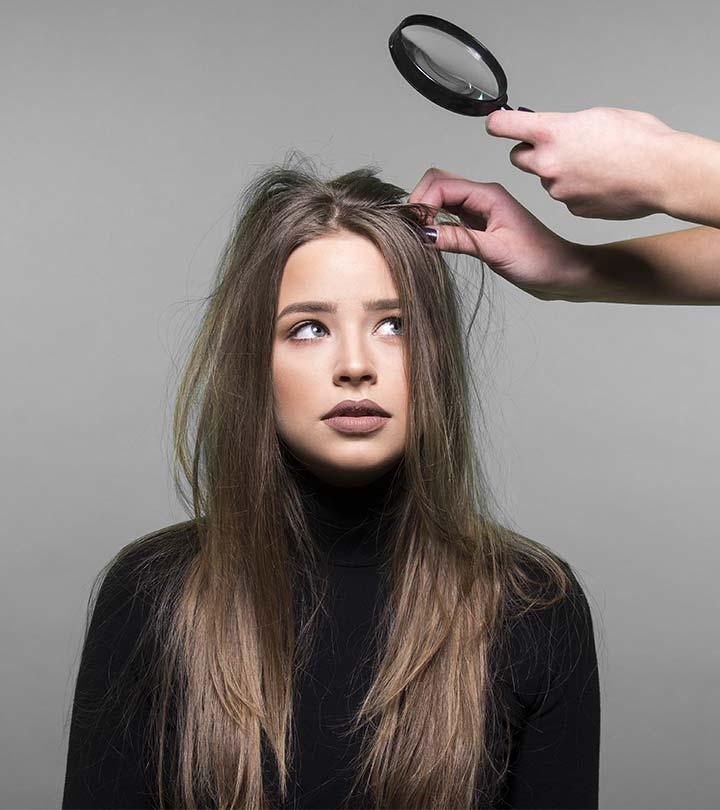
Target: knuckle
608	114
552	190
428	174
543	132
545	168
543	127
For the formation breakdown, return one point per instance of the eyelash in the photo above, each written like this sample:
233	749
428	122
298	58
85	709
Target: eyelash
297	328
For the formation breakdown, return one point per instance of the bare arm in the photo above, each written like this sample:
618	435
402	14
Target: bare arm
680	267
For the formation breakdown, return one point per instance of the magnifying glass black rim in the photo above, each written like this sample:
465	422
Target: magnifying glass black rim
434	91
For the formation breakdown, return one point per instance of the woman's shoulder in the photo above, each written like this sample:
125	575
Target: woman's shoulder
125	589
117	679
549	632
144	562
546	588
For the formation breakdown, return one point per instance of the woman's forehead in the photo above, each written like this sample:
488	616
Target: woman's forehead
342	266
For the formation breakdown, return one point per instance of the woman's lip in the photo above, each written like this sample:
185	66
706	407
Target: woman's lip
357	424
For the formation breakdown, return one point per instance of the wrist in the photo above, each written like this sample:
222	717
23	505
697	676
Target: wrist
689	181
664	169
599	273
576	278
585	282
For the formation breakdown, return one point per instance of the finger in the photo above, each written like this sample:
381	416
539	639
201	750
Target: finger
475	221
523	156
469	196
432	174
551	186
547	184
516	124
454	239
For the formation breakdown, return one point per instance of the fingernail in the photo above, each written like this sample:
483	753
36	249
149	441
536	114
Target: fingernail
430	234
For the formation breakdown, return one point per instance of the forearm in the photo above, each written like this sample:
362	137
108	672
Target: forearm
680	267
689	179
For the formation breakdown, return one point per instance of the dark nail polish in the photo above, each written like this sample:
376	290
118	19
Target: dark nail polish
430	234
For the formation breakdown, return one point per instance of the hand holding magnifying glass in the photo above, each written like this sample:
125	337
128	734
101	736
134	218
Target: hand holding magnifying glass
600	162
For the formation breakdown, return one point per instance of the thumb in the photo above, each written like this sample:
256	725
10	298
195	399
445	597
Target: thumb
458	239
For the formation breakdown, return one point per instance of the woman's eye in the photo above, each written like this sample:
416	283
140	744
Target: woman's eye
396	318
296	330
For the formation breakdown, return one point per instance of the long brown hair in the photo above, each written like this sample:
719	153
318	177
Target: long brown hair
228	635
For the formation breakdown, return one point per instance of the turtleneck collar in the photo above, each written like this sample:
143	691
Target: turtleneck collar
348	523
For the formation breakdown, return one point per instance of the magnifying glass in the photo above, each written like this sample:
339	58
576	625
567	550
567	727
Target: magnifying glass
449	66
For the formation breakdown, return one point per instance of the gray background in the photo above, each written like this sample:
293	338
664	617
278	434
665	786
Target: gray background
129	130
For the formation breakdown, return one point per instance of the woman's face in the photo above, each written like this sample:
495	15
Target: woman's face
323	358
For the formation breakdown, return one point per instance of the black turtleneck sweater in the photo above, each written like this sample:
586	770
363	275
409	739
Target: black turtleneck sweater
552	688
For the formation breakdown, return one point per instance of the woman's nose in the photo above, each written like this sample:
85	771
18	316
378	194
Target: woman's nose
355	359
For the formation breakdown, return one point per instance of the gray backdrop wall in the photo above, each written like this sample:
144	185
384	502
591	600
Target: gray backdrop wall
128	131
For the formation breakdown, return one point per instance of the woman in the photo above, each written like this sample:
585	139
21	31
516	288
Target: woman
341	622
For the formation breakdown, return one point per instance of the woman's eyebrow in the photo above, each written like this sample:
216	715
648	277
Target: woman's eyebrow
330	306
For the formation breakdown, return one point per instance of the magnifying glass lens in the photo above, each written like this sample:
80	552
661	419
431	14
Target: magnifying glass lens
449	62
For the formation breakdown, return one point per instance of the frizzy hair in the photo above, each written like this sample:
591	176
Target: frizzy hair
228	635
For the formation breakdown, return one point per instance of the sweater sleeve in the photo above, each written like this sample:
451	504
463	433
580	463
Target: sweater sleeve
555	761
106	747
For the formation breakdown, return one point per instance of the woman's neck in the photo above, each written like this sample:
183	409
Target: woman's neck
349	523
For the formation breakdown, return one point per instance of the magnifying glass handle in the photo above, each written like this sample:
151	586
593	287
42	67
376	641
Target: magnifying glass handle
522	109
